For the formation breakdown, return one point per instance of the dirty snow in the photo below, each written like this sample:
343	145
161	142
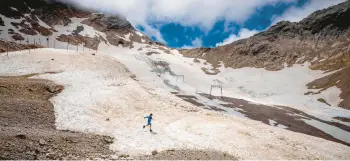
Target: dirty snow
99	87
42	23
259	86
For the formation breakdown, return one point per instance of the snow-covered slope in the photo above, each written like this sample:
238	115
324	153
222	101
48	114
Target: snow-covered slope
286	87
101	96
113	78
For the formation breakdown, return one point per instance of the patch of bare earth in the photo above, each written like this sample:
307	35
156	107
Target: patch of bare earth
342	119
340	79
27	125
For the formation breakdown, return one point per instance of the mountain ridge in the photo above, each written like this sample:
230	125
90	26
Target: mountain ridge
320	39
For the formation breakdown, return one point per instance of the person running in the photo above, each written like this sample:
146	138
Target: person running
149	119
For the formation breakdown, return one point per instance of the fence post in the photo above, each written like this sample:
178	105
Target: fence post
211	87
67	44
54	43
221	92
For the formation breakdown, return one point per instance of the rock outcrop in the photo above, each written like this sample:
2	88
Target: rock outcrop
118	30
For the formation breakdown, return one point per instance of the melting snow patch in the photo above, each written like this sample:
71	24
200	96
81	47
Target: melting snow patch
14	9
139	33
331	130
43	24
127	37
282	126
272	122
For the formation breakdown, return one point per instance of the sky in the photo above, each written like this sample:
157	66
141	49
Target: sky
205	23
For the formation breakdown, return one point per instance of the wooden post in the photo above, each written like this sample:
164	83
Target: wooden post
67	44
54	43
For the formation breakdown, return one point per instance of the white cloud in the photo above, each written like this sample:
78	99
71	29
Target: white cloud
201	13
196	43
295	14
153	32
243	33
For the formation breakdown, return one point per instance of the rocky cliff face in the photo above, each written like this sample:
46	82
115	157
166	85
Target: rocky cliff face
321	39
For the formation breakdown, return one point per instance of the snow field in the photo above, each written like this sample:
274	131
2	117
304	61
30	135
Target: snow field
286	87
99	87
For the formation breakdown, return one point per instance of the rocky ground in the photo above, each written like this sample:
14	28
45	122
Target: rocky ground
27	125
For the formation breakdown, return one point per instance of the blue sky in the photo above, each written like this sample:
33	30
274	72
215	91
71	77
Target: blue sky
177	35
205	23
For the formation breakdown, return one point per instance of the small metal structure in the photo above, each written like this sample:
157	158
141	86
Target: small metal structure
215	86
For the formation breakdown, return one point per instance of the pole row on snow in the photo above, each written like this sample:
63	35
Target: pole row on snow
48	42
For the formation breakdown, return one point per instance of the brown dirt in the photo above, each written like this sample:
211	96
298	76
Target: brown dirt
27	125
340	79
88	42
342	119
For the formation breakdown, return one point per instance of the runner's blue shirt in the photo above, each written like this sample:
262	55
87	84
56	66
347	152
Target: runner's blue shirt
149	119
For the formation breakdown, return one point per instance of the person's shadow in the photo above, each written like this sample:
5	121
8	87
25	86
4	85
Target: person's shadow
154	133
